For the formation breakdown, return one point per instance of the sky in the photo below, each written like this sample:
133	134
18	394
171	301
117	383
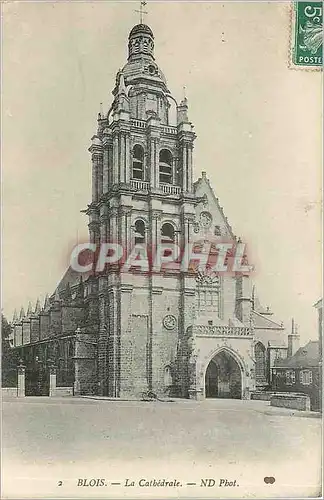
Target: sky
257	120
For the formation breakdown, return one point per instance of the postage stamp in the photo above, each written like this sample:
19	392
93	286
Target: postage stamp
307	40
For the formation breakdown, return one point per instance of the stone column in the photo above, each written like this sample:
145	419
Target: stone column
103	228
97	166
151	163
124	223
189	175
154	141
157	163
52	380
107	161
94	181
113	219
105	186
102	348
186	226
21	380
128	232
127	158
156	229
186	138
76	388
100	175
116	169
122	161
184	167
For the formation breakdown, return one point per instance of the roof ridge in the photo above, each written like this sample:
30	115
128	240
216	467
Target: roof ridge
268	319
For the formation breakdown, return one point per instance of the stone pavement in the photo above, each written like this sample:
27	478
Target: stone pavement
47	440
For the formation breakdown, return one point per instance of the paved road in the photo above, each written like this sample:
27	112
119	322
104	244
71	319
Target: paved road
47	440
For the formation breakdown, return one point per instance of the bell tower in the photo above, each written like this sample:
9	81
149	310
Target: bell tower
142	192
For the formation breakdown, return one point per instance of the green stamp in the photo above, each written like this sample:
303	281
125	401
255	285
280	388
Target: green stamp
308	39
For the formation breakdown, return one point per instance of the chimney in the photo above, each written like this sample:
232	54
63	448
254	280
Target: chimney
293	340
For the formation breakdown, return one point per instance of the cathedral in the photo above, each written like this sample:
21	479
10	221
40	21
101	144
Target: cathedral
181	332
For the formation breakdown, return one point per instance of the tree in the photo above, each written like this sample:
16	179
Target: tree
10	356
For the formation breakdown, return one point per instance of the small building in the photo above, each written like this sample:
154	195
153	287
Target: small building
300	373
270	343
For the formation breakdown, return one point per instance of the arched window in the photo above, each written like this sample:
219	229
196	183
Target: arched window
138	162
166	166
167	233
139	232
260	362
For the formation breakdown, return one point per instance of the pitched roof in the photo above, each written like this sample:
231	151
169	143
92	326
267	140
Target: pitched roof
72	278
306	357
263	321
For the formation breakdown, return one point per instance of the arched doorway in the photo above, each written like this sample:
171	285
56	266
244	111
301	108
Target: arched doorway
223	377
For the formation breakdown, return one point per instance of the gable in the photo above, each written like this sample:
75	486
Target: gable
209	214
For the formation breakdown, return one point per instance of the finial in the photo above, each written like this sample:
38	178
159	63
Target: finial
100	114
121	86
15	316
46	303
184	88
22	313
57	296
292	326
37	307
29	310
141	11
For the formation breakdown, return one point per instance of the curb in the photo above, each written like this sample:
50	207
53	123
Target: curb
298	413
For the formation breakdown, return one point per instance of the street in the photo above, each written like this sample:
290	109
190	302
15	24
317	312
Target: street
56	447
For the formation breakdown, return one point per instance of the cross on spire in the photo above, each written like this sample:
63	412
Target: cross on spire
141	11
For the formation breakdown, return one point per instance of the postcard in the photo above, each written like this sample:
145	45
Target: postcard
162	249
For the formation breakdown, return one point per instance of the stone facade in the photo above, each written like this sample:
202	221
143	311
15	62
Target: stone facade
124	334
